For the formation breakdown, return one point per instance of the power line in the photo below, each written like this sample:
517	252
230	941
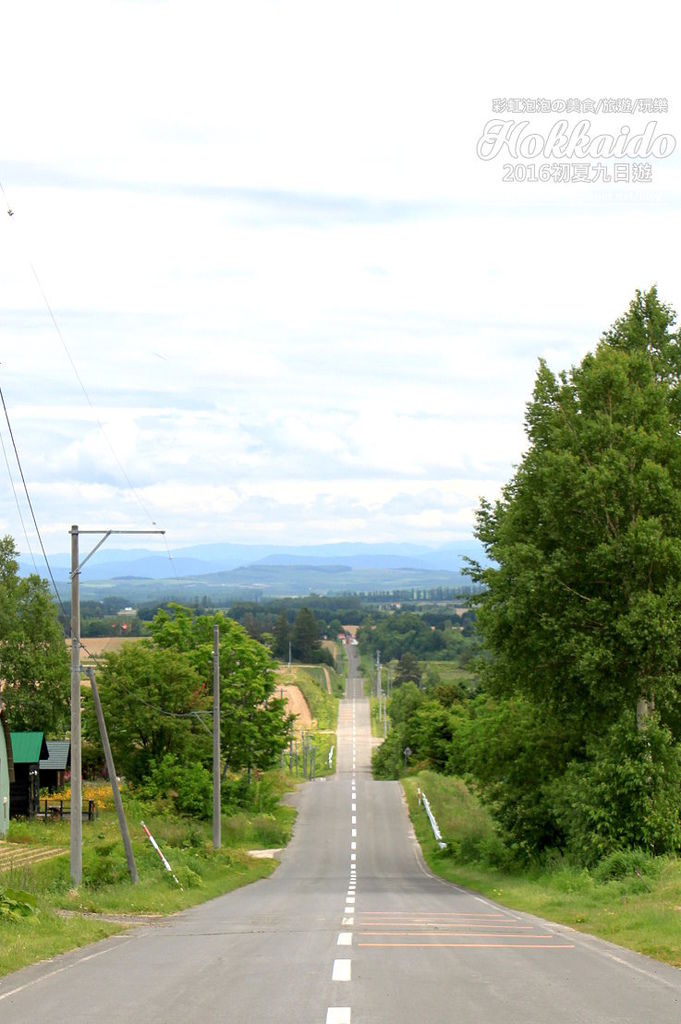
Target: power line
78	377
81	383
17	503
30	503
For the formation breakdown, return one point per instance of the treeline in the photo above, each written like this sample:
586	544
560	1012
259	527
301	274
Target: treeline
573	736
434	634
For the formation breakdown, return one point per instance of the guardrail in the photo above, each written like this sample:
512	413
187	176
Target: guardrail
431	818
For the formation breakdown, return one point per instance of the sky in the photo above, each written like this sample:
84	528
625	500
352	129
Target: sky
291	301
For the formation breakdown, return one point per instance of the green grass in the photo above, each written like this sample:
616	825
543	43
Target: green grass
367	669
377	728
45	935
323	707
638	910
311	682
106	888
336	680
341	656
449	672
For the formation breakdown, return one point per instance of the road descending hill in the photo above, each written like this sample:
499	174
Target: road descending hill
351	929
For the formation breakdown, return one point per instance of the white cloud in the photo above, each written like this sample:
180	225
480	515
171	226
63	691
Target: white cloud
300	304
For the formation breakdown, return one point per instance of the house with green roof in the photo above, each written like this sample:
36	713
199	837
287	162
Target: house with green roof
28	748
6	771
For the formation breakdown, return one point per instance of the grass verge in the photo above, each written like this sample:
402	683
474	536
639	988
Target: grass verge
631	900
106	889
323	707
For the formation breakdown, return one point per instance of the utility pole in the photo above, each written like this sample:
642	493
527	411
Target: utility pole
289	655
217	808
111	769
76	756
378	682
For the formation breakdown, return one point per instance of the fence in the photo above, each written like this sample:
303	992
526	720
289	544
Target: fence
55	810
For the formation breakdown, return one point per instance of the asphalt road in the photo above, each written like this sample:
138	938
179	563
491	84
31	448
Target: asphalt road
351	928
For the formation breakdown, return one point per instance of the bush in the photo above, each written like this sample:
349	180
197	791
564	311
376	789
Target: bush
626	795
268	831
621	863
189	787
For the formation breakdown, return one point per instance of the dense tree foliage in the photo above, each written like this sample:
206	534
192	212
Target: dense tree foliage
34	664
575	740
153	698
408	670
157	698
281	637
438	635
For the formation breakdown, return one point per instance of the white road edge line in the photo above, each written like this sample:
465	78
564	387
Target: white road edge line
59	970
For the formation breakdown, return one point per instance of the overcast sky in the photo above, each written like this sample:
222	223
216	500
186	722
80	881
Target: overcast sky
301	305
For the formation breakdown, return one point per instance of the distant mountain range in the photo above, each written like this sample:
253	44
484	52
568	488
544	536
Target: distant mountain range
243	570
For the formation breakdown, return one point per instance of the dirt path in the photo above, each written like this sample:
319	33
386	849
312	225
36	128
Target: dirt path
328	679
296	705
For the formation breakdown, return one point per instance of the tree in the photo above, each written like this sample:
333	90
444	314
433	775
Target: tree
581	611
282	636
408	670
152	698
584	605
254	723
34	664
305	637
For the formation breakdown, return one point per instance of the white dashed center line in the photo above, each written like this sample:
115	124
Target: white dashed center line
342	970
338	1015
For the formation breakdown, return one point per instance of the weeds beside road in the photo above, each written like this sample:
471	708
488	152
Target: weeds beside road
106	889
630	898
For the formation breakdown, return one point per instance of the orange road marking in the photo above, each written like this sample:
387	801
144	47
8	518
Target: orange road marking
431	913
388	929
476	935
463	945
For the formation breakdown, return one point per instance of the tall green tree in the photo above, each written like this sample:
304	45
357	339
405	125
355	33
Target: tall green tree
34	664
582	605
254	723
153	698
282	635
305	636
408	670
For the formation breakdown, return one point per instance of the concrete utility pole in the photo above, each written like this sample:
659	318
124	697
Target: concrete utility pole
111	769
378	682
76	756
217	808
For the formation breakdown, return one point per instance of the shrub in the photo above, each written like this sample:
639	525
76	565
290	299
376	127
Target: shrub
622	863
188	786
625	795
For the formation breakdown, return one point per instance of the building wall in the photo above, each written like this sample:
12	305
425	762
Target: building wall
4	785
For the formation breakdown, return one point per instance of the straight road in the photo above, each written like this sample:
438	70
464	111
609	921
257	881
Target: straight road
351	929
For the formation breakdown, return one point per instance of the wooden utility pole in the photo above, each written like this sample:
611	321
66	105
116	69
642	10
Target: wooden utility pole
111	769
76	756
76	829
217	807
